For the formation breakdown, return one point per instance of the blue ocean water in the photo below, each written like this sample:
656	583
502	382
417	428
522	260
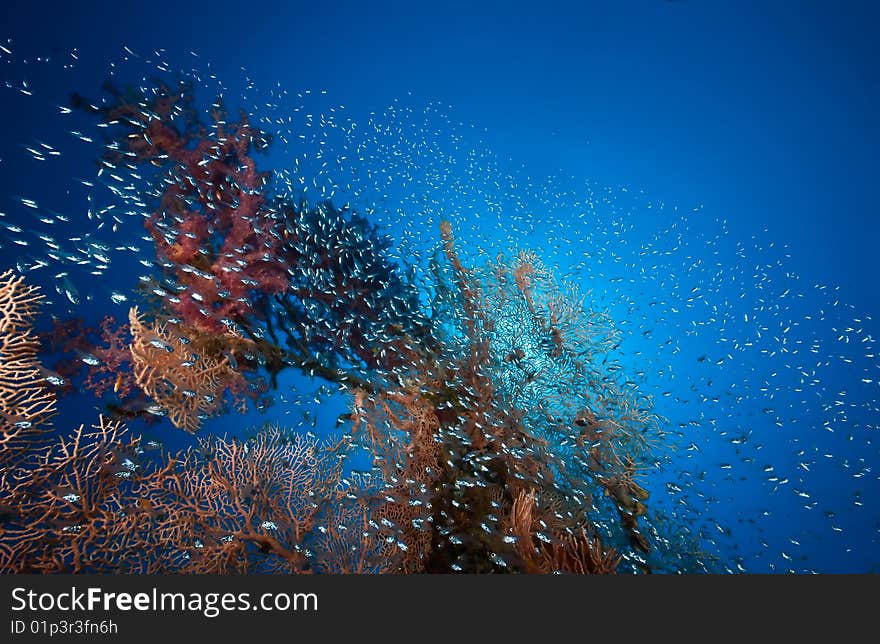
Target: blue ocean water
703	170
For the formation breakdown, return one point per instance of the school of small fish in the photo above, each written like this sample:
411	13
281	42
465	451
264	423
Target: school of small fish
767	382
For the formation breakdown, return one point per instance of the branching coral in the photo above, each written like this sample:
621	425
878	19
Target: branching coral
94	503
489	435
253	506
550	358
574	552
502	437
509	412
401	430
187	384
348	543
71	509
26	401
312	285
89	502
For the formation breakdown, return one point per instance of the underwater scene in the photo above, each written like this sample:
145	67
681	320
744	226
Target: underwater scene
401	289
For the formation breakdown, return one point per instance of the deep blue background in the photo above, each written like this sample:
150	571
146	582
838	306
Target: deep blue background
764	112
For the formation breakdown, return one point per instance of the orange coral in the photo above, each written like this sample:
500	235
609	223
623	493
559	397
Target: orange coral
488	443
347	542
402	430
91	502
572	552
516	411
236	507
452	454
70	509
552	359
188	385
26	402
579	554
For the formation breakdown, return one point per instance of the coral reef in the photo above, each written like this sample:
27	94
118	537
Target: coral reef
26	403
182	372
500	434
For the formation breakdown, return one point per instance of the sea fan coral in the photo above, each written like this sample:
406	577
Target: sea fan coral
488	443
500	435
26	400
70	510
184	382
231	506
